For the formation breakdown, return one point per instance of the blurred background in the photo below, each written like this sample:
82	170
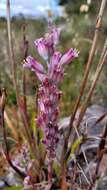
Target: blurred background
77	20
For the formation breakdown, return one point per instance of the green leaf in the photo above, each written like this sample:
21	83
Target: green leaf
57	169
75	146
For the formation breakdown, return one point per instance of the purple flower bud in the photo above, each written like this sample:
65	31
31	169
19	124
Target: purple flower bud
55	114
40	121
52	132
56	35
41	105
58	95
49	40
49	44
47	103
68	57
42	48
52	39
44	116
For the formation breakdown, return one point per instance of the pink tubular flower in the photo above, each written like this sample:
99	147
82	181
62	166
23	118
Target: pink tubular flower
54	61
42	47
48	94
69	56
34	65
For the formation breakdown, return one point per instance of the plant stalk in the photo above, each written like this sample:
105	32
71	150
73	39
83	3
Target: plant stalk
2	107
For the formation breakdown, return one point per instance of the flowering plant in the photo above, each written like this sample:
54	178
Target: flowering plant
50	77
38	162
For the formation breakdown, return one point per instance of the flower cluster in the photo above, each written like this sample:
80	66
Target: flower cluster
49	76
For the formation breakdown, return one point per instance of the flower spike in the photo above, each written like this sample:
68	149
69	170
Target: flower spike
48	94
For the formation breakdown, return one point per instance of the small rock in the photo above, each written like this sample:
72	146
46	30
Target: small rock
12	179
2	184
